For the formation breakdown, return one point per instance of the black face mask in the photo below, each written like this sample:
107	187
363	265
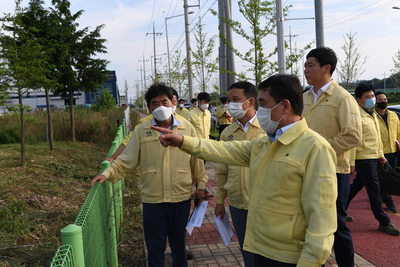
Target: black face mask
382	105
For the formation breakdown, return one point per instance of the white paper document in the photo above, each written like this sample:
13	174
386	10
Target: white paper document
196	219
224	229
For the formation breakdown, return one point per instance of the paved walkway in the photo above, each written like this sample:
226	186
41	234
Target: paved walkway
207	247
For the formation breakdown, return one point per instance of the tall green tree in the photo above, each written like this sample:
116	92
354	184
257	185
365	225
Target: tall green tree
395	77
178	74
22	62
353	65
40	26
78	69
204	65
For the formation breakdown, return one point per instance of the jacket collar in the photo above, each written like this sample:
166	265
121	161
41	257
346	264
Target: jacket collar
294	132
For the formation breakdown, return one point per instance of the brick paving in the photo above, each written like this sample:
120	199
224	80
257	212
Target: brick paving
207	247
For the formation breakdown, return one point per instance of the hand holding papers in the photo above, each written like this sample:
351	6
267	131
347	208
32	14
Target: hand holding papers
224	229
196	219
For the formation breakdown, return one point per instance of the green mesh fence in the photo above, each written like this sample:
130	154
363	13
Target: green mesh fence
98	224
64	257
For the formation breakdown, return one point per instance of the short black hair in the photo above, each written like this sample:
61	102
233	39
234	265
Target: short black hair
285	86
223	99
158	89
379	93
175	93
324	55
204	96
193	100
249	90
181	100
362	88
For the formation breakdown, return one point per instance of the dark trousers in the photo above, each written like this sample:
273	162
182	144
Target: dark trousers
392	159
239	219
221	127
261	261
164	220
367	175
343	244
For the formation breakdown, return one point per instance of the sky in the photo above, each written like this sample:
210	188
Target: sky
129	31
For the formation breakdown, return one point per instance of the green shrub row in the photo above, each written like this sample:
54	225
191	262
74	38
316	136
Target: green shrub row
90	126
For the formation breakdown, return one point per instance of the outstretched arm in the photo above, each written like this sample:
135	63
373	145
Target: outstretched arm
169	138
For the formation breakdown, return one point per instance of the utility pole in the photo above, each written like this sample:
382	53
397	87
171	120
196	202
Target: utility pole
226	56
290	45
281	44
154	33
188	52
126	91
319	22
384	82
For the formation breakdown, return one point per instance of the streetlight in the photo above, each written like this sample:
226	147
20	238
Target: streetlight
166	33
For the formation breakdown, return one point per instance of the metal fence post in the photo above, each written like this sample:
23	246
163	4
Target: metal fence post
72	235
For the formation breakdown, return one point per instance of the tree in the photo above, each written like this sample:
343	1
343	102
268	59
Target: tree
76	67
395	77
22	62
105	101
4	83
178	73
203	65
260	16
40	25
352	67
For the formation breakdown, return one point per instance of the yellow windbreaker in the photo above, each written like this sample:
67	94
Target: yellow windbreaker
201	122
335	116
371	146
182	112
233	181
293	190
219	112
141	121
390	132
165	173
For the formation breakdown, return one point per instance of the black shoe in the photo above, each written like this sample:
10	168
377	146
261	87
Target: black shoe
189	255
391	209
389	229
349	218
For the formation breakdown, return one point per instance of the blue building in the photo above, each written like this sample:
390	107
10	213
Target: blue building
110	84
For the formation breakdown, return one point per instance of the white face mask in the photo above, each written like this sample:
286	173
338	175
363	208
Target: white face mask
162	113
181	105
173	108
204	106
236	109
264	118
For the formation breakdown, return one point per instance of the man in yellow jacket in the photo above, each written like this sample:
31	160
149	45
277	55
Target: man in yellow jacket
368	154
293	187
233	181
165	178
200	117
223	116
332	112
181	110
390	133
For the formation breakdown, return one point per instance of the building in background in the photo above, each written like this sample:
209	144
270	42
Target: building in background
110	84
36	99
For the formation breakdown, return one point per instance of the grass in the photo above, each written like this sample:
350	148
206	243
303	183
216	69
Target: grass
40	198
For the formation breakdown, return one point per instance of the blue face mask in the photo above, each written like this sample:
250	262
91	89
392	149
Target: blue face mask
370	103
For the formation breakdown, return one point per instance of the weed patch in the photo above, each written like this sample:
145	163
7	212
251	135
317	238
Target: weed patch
39	199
